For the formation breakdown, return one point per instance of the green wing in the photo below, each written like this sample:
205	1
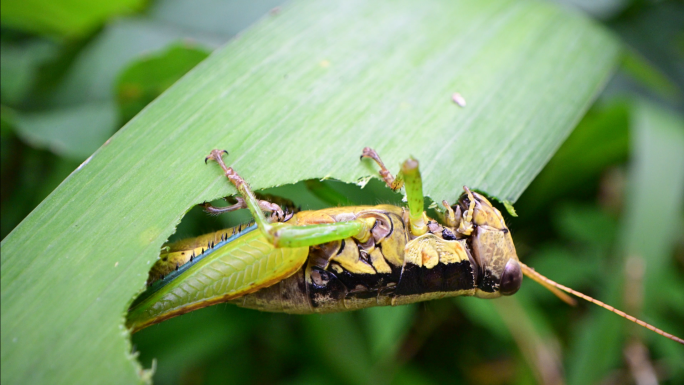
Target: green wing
243	264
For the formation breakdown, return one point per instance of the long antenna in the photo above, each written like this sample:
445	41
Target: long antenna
557	292
531	273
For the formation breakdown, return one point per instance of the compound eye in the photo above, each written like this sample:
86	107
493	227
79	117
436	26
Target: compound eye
511	278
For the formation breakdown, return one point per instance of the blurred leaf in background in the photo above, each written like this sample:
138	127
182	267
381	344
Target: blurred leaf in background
604	216
67	90
70	19
143	81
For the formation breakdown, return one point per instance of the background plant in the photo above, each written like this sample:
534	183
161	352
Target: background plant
604	215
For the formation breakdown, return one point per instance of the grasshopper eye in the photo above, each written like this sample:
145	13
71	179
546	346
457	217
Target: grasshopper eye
511	279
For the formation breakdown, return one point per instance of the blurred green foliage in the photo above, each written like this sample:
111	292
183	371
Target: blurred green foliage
143	81
70	19
605	216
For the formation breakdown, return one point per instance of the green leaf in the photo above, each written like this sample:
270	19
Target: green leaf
509	208
83	113
484	313
224	18
69	18
601	139
343	351
296	97
657	181
649	231
147	78
20	64
94	72
387	327
644	72
70	132
585	224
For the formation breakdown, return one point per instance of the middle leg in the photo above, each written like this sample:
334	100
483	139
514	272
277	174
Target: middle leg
410	177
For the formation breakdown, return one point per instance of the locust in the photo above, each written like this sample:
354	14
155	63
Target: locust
342	258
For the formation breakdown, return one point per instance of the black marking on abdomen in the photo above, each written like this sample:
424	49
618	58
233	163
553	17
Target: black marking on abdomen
328	288
337	286
441	278
368	285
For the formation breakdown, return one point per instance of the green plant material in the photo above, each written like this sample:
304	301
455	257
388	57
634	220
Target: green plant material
586	225
509	208
93	75
145	79
654	204
652	233
225	18
62	130
519	319
7	116
343	352
580	159
327	193
82	113
597	340
604	9
295	98
41	173
577	267
218	335
386	328
657	181
532	334
20	63
65	18
644	72
581	263
484	313
654	31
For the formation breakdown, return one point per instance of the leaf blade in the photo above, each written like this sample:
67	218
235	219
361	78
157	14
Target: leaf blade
266	98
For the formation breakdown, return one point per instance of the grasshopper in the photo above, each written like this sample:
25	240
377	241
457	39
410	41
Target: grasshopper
343	258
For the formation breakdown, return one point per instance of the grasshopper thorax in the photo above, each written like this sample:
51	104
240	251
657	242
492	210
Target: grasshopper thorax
491	245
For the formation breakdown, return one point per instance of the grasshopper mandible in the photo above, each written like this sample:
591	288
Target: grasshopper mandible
344	258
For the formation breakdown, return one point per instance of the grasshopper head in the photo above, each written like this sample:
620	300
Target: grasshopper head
492	247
